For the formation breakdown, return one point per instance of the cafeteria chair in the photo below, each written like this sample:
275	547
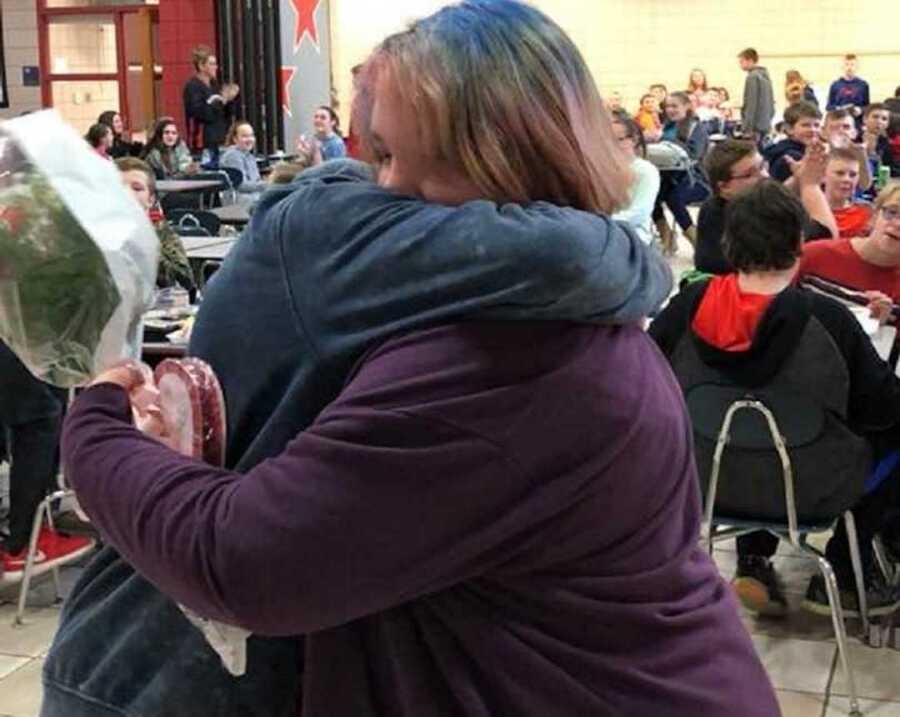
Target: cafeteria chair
207	269
235	179
715	412
188	222
32	569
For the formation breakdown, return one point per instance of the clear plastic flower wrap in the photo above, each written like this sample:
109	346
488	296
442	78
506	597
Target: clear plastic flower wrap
78	256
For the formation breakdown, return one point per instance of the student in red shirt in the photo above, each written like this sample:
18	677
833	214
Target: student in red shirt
841	181
870	263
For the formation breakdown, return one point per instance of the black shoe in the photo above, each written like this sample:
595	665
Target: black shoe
69	523
881	598
757	586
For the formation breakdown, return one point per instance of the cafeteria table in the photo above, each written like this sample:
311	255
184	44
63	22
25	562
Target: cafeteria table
233	214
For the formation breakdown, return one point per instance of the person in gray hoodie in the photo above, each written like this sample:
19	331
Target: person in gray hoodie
759	100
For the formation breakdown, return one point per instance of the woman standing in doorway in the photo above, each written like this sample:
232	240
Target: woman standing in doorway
208	105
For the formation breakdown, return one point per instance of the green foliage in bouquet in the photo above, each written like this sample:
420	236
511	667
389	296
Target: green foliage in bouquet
56	291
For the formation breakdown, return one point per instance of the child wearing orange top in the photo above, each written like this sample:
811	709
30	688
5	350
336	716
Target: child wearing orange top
647	117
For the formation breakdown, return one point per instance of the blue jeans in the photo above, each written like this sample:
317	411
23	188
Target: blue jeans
124	648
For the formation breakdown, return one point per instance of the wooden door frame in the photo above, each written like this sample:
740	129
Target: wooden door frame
45	16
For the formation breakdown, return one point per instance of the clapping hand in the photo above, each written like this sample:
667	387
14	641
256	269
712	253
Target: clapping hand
810	170
309	150
230	91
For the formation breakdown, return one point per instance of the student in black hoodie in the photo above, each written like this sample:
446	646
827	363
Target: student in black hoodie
803	122
756	329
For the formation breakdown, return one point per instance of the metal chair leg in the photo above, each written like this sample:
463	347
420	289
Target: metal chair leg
858	575
29	559
840	633
882	559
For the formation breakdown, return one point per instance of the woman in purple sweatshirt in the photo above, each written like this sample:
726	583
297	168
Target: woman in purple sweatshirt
476	525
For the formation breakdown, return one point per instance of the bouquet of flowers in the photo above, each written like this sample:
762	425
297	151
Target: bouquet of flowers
78	257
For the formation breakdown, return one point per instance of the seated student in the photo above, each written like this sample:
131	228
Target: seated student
870	263
893	134
661	93
841	182
755	328
803	122
839	130
174	267
121	146
166	152
327	126
680	188
645	185
647	117
100	137
876	120
240	155
735	165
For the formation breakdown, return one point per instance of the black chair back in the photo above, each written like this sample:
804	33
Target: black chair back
185	220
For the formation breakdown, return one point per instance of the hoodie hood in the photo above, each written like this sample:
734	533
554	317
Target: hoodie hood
763	344
790	147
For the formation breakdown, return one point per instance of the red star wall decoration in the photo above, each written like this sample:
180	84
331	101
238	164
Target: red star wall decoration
306	22
287	76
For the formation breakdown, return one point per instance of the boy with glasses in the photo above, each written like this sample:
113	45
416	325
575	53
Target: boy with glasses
734	165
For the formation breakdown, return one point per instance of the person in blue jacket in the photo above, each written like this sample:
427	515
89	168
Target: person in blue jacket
849	91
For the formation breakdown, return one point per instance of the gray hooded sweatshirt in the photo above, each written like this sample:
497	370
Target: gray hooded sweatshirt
759	101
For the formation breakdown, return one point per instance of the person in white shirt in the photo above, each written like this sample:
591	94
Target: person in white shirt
645	185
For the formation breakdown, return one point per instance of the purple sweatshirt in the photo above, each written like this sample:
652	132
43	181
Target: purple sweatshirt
491	519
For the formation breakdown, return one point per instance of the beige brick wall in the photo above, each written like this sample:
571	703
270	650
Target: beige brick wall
20	44
630	44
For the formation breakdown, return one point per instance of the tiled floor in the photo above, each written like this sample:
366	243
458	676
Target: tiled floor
799	652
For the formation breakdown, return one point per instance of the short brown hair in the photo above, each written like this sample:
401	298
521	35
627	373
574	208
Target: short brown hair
200	54
835	115
799	111
846	154
723	157
133	164
850	56
876	107
764	228
749	54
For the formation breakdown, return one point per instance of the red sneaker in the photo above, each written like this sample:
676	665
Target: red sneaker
14	563
58	548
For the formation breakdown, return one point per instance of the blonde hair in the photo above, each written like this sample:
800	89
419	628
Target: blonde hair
503	94
890	193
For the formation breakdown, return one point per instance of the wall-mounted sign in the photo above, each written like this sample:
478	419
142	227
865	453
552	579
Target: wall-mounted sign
31	76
